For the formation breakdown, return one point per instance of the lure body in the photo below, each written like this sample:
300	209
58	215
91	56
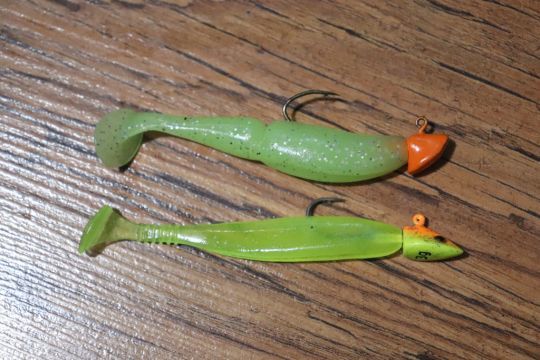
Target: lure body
292	239
320	238
306	151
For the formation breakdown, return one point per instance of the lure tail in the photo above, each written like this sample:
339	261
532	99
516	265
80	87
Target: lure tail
119	135
105	227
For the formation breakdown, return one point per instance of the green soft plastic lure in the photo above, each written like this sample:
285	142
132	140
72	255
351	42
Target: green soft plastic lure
290	239
306	151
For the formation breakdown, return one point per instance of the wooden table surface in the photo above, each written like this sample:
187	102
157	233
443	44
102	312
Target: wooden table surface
472	67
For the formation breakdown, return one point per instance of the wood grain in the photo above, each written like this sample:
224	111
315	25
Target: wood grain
472	67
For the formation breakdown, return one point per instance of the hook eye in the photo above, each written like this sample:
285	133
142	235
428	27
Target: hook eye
301	94
419	219
422	123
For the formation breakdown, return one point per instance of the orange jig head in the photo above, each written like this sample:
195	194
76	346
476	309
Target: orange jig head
424	149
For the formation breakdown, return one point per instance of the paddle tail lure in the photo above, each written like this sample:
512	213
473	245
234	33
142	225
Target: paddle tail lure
306	151
290	239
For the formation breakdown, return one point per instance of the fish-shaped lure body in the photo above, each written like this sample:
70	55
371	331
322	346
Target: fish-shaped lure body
290	239
306	151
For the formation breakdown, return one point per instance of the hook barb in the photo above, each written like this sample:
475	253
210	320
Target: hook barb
324	200
301	94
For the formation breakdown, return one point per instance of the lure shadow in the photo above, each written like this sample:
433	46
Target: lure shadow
98	249
361	182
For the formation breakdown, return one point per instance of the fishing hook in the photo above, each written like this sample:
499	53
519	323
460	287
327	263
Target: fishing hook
301	94
324	200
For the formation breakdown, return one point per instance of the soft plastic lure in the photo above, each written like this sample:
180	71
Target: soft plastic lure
291	239
306	151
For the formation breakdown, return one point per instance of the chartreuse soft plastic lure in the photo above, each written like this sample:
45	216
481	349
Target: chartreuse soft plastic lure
306	151
291	239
